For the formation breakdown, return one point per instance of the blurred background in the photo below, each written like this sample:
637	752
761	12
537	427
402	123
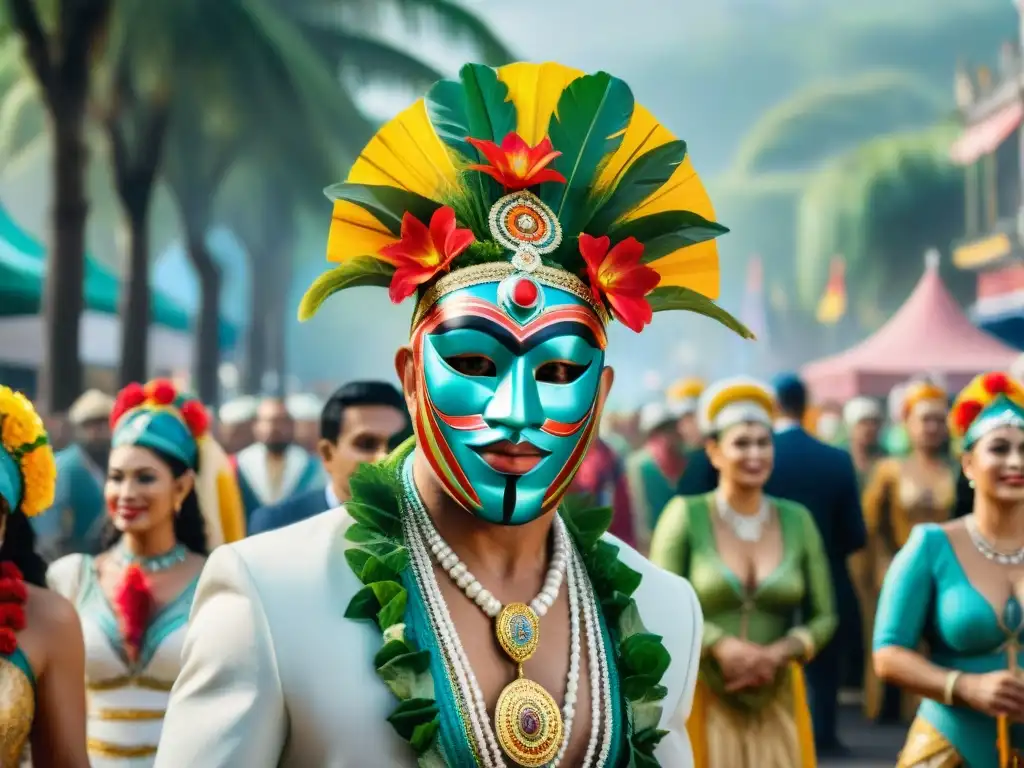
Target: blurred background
165	160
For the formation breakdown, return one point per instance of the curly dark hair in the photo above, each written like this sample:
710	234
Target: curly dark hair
189	527
19	546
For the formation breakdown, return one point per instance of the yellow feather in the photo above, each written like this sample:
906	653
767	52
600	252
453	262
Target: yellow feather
535	90
643	134
355	232
695	267
407	153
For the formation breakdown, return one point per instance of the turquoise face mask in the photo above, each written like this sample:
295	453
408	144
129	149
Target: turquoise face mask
509	380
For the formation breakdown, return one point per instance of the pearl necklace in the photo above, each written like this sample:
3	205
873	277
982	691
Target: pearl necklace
124	557
418	528
747	528
990	552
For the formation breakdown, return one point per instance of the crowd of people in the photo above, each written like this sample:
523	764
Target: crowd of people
479	566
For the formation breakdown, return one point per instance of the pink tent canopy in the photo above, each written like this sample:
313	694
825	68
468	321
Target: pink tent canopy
928	335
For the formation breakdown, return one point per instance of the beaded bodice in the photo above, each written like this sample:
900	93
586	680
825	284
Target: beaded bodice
17	708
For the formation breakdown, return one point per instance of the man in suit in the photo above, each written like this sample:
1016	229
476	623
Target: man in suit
359	423
822	478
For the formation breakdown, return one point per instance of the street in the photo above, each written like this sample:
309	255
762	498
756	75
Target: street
873	746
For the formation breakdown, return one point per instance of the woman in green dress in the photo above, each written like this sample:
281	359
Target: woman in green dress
958	587
42	666
756	563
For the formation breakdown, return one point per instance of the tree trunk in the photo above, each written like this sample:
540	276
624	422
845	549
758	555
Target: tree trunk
206	358
135	297
60	375
260	289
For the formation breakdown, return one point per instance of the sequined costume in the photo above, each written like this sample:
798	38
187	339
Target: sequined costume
523	208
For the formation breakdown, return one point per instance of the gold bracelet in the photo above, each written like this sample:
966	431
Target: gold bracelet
951	678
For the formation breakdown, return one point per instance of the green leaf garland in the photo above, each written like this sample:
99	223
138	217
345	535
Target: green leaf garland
676	297
380	556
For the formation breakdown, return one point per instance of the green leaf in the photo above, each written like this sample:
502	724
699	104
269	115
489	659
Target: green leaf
383	523
490	116
375	570
356	273
359	533
630	623
401	673
647	714
587	127
644	654
587	523
679	298
648	738
635	687
378	485
411	713
386	204
390	650
393	608
423	736
363	605
666	232
357	559
645	176
446	108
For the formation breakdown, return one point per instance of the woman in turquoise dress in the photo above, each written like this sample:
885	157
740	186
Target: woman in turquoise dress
133	599
758	566
42	696
957	586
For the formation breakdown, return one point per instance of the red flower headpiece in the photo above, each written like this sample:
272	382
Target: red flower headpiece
979	395
619	278
161	393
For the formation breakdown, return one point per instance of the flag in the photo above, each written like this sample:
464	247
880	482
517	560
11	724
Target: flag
752	309
832	306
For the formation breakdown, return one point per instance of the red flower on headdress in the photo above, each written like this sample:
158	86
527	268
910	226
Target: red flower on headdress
423	252
515	164
618	277
964	414
132	396
196	418
161	392
996	383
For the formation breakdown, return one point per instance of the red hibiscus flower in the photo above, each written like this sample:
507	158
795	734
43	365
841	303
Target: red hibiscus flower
618	277
515	164
424	251
965	414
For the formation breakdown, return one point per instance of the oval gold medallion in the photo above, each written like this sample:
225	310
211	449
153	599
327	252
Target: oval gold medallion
518	631
528	724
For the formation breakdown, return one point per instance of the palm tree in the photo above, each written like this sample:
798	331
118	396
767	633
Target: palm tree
60	62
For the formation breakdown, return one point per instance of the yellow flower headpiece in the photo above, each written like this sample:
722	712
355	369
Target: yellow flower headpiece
686	389
922	392
734	401
28	471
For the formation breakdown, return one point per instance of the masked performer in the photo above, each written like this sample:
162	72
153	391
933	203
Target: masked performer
756	563
163	497
900	493
523	208
42	695
956	585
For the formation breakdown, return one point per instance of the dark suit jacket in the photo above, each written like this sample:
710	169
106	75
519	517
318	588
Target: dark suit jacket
291	510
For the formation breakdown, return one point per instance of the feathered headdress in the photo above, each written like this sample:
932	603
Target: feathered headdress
990	401
28	471
159	417
532	168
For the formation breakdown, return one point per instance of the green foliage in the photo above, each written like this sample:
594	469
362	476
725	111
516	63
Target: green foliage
640	179
880	206
832	116
362	271
386	204
678	298
587	128
666	232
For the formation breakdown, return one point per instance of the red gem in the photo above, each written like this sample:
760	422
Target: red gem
525	293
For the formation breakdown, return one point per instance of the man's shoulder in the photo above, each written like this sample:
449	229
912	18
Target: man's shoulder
290	510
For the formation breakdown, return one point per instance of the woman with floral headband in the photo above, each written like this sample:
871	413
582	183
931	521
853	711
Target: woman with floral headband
42	696
163	498
757	563
957	586
522	209
900	493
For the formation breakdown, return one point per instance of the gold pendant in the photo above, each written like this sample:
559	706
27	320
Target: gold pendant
528	723
518	631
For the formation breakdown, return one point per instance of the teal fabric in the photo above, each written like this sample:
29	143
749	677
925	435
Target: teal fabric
159	430
1000	412
926	596
20	660
10	480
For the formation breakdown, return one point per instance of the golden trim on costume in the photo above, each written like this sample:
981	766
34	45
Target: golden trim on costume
128	681
106	749
492	272
17	711
128	714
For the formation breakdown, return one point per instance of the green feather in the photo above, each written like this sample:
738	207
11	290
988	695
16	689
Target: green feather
679	298
446	108
587	127
641	179
667	232
361	271
384	203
